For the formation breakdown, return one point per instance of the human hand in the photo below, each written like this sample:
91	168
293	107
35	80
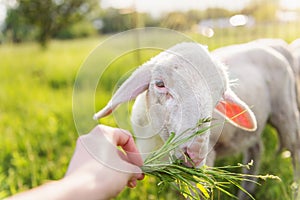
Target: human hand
98	170
105	169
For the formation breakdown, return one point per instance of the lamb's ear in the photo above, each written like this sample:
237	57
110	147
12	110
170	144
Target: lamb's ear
130	89
236	111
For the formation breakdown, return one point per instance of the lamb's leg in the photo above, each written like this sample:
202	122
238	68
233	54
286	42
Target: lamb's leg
253	153
290	139
286	122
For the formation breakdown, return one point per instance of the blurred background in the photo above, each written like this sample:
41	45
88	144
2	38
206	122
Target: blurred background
44	42
41	21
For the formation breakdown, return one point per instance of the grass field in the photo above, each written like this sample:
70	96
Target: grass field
36	122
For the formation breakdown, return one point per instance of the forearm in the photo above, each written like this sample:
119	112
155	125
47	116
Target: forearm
73	188
51	190
64	189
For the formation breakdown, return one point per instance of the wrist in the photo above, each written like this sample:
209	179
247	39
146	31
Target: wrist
79	187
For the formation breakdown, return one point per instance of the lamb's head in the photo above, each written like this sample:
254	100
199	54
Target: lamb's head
177	88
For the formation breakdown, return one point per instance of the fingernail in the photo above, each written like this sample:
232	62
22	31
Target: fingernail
132	183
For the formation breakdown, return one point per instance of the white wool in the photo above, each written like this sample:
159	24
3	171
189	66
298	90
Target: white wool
173	91
265	82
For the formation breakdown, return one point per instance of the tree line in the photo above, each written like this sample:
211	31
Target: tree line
43	20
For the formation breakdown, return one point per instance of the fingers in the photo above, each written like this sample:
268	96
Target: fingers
132	153
101	144
123	138
132	182
133	172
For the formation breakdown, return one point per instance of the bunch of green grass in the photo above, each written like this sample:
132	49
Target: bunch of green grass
191	182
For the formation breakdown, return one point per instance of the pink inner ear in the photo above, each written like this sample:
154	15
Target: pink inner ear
236	113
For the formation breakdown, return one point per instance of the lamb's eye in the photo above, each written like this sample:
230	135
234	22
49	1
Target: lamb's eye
159	84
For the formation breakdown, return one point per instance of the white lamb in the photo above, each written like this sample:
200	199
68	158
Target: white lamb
266	82
184	84
177	88
291	53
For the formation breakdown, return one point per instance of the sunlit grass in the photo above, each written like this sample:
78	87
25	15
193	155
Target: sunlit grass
37	132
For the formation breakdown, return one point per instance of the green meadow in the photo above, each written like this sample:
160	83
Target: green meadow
38	133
